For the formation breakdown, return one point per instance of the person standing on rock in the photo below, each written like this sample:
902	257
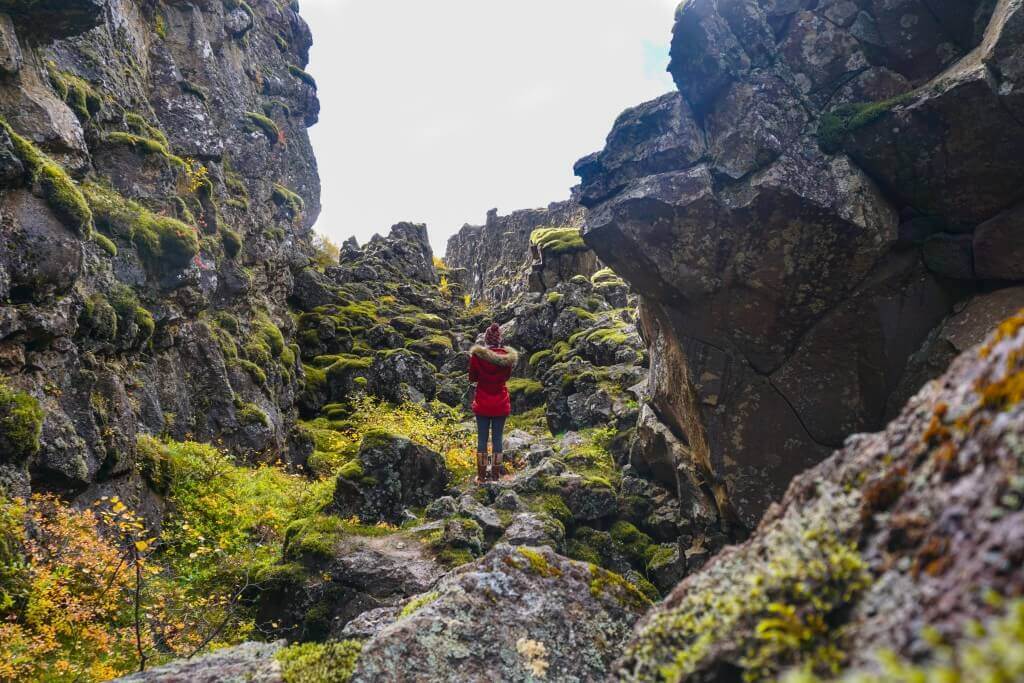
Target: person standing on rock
490	366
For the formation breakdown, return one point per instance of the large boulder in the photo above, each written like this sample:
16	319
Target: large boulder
785	285
389	475
518	614
245	663
896	541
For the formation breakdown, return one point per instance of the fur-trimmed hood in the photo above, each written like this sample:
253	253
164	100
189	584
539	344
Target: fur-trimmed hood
507	359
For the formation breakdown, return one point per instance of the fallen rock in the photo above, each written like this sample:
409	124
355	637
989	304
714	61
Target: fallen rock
245	663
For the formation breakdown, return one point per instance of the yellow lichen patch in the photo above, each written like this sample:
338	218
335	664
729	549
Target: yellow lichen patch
1007	329
539	564
604	582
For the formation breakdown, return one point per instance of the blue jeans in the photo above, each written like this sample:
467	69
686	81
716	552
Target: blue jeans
496	425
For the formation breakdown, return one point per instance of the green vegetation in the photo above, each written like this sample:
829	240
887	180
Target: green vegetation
319	662
159	239
774	601
606	277
105	243
252	415
834	126
193	89
525	387
231	241
61	193
143	128
302	75
264	124
76	92
558	240
282	196
418	603
21	422
986	653
130	314
536	358
145	145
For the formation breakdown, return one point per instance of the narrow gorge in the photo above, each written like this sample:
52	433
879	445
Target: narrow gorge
767	418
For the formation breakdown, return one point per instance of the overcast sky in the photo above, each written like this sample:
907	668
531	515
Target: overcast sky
435	112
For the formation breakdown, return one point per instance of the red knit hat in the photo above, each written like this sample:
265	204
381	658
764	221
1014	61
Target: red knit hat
492	337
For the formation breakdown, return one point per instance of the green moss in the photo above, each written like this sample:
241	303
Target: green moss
271	335
539	564
282	196
352	470
131	314
556	240
250	414
418	603
161	240
525	387
100	317
604	582
989	653
582	314
607	335
554	298
160	27
145	145
76	92
264	124
302	75
255	371
154	464
315	537
836	125
554	505
61	193
21	423
231	241
536	358
105	243
143	128
606	276
319	662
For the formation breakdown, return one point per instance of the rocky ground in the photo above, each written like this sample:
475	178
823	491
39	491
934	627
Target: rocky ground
262	446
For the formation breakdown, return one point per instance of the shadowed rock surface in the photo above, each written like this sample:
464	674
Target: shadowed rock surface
798	220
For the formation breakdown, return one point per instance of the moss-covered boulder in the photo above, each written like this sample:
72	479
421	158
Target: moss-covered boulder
389	475
518	614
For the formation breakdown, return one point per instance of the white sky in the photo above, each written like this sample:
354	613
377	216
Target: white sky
436	111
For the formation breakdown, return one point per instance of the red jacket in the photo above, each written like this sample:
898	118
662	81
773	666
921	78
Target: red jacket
490	368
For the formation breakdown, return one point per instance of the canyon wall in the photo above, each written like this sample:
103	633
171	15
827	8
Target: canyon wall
824	213
157	193
492	260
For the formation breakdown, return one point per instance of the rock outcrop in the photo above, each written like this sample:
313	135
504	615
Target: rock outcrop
819	196
896	542
490	259
157	190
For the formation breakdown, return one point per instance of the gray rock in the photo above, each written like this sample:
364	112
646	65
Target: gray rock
515	614
442	507
508	500
245	663
535	529
487	518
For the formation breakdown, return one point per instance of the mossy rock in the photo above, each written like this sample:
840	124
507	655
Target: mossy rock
21	423
319	662
557	241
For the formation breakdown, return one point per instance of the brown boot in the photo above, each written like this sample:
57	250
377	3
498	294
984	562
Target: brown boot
497	466
481	468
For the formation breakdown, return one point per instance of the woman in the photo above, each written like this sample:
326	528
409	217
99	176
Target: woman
490	366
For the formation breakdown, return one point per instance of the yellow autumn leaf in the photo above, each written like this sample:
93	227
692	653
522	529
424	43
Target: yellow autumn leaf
141	546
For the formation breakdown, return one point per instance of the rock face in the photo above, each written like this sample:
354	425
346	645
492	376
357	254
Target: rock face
518	614
156	193
817	198
490	259
900	534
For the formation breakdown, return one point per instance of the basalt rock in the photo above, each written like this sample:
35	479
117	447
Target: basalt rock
799	218
492	258
517	614
897	538
157	193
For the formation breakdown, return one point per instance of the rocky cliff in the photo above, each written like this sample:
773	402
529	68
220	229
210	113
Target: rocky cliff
810	220
490	259
157	191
